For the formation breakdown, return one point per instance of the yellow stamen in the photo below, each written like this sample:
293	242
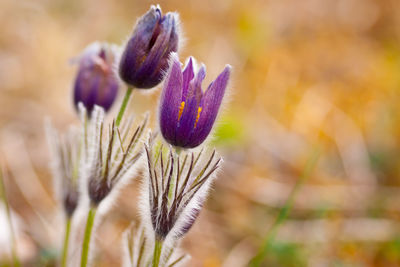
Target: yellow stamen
198	115
181	109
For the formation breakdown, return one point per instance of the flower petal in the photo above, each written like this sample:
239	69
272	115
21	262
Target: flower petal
171	99
154	65
186	122
136	48
195	85
95	83
210	105
106	97
188	75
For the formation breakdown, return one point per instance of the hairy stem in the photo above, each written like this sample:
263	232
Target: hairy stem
123	105
66	242
86	239
157	252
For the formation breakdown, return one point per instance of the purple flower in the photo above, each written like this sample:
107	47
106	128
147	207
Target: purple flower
96	83
187	114
146	54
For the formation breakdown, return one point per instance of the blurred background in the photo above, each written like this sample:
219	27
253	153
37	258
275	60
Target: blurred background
314	81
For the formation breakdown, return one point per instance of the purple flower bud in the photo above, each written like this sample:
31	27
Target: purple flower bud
187	114
96	83
146	54
70	202
65	161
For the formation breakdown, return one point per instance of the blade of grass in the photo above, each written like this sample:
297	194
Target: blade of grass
66	243
284	212
13	243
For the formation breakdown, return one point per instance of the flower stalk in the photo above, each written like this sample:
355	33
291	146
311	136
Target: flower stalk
66	242
157	252
87	236
124	105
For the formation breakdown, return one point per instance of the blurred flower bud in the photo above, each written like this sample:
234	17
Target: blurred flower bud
187	114
112	154
65	150
145	58
71	201
96	83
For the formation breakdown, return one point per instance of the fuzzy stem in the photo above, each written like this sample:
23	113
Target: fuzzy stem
16	261
157	252
123	105
86	239
66	242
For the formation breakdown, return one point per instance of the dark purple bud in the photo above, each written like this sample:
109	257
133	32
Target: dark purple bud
145	58
96	83
71	201
98	190
187	114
